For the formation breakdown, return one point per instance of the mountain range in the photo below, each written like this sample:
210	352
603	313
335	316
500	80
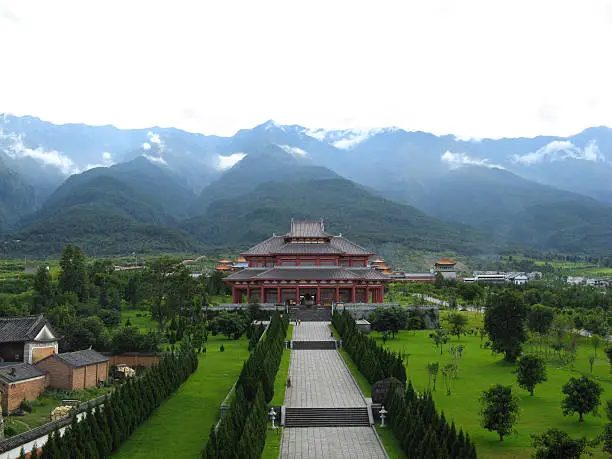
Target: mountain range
162	189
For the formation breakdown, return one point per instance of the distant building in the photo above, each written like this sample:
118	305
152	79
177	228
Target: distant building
445	267
426	278
521	279
19	381
75	370
26	339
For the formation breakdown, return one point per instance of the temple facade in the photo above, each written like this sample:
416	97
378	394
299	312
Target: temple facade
308	266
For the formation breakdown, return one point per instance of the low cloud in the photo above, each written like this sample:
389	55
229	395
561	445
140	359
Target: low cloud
156	159
294	151
227	162
559	150
14	146
146	146
107	161
456	160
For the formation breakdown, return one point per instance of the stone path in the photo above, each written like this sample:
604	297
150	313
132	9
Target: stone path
319	379
312	331
330	443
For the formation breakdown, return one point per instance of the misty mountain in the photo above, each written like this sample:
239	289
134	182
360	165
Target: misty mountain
371	220
266	164
17	198
519	210
162	176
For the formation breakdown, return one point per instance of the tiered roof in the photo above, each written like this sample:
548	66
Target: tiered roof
307	273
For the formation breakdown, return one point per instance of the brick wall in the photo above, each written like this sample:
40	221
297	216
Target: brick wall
14	393
89	375
135	360
60	374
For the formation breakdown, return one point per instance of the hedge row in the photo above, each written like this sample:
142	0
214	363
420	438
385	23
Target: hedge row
242	432
422	432
103	430
414	419
374	362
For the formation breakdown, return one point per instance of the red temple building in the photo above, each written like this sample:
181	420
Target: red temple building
308	266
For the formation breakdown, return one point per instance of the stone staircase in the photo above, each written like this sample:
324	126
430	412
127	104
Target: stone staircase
311	313
313	345
327	417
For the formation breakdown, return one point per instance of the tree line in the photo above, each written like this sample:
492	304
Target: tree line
105	428
421	430
241	433
374	362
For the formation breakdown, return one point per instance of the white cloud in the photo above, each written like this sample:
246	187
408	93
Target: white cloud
508	84
558	150
456	160
227	162
318	134
154	138
15	147
351	139
146	146
107	161
294	151
156	159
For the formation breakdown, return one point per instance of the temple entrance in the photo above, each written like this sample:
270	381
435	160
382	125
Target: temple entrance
308	296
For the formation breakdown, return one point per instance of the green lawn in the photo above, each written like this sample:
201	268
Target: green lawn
181	425
479	369
273	443
280	383
139	319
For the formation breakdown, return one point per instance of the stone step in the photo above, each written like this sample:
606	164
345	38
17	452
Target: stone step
326	417
310	313
313	345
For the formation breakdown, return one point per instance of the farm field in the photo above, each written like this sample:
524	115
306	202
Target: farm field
479	369
188	415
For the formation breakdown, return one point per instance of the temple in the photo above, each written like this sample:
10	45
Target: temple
308	266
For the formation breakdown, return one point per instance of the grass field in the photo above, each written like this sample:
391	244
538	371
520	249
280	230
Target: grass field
181	425
139	319
273	443
479	369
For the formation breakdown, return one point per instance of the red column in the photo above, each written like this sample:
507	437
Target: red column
234	300
248	293
278	295
367	298
297	295
353	294
382	294
318	293
262	299
337	294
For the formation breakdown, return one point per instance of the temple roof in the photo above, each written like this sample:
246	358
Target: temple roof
307	273
18	329
337	245
307	228
445	261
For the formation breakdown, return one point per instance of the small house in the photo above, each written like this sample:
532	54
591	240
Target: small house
19	381
75	370
26	339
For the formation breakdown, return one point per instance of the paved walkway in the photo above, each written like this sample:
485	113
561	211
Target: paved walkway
312	331
320	379
330	443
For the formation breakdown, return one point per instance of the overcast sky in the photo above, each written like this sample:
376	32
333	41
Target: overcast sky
471	68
